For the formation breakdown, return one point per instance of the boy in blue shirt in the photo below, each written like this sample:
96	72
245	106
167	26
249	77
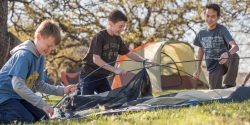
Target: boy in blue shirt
216	42
22	75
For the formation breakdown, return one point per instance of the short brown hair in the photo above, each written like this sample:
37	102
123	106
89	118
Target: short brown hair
49	28
215	7
116	16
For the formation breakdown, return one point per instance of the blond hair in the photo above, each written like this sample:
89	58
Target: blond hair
49	28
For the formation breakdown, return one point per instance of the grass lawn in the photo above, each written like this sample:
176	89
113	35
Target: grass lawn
207	114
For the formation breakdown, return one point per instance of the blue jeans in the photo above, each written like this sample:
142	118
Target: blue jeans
20	111
93	84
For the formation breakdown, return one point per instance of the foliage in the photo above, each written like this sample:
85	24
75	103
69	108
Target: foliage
152	20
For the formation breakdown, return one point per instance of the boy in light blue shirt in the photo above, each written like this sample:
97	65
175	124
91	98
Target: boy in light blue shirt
22	75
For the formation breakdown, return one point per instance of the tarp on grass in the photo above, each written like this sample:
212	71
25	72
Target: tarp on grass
137	96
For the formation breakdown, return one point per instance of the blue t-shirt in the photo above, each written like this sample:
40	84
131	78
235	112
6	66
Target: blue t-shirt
23	64
214	42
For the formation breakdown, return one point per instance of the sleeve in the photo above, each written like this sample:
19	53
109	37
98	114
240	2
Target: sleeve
123	50
44	87
20	88
20	66
197	41
96	44
226	35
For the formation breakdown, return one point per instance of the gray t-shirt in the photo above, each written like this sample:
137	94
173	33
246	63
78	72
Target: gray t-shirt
214	42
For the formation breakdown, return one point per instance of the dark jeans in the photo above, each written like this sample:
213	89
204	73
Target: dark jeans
93	84
229	69
21	111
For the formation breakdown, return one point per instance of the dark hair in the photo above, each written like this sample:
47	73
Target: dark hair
116	16
215	7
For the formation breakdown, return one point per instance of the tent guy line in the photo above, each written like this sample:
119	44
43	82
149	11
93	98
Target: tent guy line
165	65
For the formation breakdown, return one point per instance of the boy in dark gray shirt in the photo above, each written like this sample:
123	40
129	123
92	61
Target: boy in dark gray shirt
220	50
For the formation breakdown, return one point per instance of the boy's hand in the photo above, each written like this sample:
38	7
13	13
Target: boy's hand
152	63
48	110
223	58
196	74
70	88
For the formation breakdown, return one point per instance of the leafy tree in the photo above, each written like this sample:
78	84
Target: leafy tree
148	20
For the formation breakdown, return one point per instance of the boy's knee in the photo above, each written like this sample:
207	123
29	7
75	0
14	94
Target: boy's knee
235	59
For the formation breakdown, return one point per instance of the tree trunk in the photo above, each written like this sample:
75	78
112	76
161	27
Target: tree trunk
7	40
3	31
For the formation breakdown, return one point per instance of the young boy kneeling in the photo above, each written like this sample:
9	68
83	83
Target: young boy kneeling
22	75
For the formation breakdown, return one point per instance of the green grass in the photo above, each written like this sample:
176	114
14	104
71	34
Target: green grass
207	114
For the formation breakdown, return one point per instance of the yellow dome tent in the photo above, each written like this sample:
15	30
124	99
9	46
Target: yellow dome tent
172	74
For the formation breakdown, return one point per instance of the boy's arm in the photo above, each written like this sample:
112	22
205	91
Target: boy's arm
198	64
138	58
234	47
26	93
44	87
135	57
229	39
233	50
101	63
199	57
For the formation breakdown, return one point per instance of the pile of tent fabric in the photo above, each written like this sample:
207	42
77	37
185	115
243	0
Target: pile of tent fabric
137	96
